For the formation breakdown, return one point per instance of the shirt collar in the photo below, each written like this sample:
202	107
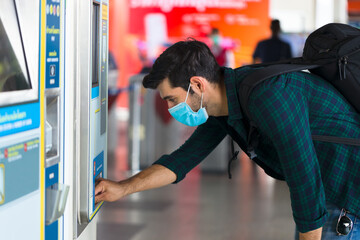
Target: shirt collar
232	78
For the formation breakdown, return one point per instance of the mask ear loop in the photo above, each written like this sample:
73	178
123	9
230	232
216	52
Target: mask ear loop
187	94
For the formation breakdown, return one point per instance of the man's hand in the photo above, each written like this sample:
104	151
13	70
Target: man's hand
312	235
107	190
153	177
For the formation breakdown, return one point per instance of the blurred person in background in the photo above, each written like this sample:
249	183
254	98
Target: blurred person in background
221	48
272	49
323	177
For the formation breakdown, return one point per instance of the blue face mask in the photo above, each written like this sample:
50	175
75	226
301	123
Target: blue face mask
184	114
216	39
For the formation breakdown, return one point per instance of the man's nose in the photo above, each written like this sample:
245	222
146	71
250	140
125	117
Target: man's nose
170	105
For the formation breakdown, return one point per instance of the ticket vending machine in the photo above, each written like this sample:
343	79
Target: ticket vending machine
31	109
89	69
20	132
53	122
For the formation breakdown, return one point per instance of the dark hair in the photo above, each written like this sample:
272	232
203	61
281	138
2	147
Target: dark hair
275	26
182	61
215	31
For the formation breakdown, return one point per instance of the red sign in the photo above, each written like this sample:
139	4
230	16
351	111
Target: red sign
243	21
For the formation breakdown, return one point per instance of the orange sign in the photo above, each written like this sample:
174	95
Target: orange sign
147	27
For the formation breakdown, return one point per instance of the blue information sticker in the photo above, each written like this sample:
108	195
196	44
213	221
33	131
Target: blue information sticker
52	44
19	118
19	169
97	173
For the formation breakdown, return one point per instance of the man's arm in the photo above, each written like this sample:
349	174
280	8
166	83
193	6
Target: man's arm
312	235
169	168
153	177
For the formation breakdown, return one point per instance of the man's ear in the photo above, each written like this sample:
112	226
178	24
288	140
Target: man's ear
198	84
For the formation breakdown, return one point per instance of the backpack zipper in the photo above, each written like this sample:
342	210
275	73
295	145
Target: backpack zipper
342	63
342	67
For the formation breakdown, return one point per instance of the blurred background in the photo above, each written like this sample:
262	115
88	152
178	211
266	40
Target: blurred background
206	205
140	30
57	103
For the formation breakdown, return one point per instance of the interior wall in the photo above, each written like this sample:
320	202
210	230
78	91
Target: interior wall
307	15
295	16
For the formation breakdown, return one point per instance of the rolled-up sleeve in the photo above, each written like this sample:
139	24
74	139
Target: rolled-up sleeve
282	114
200	144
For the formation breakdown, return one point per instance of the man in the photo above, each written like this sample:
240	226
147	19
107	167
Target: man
272	49
322	177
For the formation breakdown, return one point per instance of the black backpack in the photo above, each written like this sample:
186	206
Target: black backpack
332	52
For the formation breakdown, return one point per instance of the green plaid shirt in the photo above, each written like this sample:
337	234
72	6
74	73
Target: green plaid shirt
287	110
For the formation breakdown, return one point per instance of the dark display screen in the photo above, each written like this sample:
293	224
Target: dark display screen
13	72
95	45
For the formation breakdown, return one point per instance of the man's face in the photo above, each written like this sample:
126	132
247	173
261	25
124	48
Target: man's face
174	96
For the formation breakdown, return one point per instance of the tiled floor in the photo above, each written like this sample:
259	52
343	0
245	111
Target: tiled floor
251	206
204	206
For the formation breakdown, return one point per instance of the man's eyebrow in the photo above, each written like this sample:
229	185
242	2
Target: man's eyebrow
167	97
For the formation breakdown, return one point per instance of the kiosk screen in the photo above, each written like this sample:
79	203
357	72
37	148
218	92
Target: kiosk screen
95	45
13	71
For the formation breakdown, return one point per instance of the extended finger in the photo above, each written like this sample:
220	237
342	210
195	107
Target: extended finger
98	199
99	189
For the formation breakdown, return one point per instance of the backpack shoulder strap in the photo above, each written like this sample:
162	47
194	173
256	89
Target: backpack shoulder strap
260	75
